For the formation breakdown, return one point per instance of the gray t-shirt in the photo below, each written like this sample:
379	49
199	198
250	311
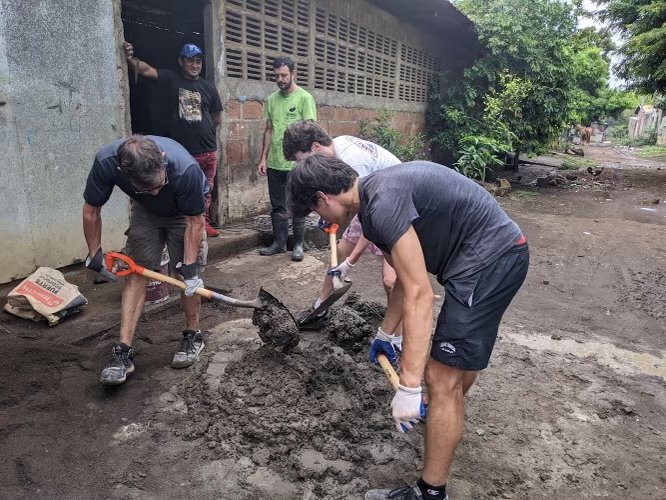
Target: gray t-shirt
461	227
363	156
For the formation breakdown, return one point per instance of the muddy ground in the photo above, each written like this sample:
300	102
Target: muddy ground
573	404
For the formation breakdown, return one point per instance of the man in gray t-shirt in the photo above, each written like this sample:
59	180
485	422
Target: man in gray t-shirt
306	137
427	218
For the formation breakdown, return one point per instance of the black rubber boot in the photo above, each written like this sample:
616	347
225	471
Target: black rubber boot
280	231
298	226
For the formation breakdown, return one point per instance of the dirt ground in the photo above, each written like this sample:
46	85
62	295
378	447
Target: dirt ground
573	404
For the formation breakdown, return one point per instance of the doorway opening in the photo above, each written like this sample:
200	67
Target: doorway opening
157	29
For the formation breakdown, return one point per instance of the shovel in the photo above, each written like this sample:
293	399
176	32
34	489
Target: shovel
339	287
389	371
134	268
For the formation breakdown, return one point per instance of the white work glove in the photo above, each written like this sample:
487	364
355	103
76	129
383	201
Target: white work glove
408	407
341	270
391	345
189	274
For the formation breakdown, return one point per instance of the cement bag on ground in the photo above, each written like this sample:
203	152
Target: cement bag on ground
45	294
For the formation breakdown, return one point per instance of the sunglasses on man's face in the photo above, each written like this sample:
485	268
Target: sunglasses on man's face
147	191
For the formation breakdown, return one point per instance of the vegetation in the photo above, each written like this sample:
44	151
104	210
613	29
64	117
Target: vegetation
576	163
537	73
381	131
652	152
642	25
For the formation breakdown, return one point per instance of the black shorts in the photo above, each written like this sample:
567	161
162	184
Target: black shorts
473	307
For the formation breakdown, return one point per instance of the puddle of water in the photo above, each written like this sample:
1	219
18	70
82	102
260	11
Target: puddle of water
620	360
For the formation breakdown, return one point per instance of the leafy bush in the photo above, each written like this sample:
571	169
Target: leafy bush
477	154
649	139
381	131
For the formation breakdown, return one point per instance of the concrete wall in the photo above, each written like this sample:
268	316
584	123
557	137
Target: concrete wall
646	121
60	84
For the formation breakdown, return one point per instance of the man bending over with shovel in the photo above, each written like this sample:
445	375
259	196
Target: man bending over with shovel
306	137
427	218
168	191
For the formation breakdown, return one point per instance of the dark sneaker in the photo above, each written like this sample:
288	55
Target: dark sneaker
121	365
188	350
403	493
316	323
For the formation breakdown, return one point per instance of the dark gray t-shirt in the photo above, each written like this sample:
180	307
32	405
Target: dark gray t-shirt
461	227
183	195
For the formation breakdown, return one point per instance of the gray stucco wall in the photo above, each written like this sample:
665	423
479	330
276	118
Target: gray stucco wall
59	79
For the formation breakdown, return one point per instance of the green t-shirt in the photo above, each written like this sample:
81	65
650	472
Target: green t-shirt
282	111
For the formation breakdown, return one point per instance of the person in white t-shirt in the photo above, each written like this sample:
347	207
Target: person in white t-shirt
306	137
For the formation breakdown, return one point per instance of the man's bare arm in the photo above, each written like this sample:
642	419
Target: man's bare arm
412	299
194	225
265	147
141	67
92	227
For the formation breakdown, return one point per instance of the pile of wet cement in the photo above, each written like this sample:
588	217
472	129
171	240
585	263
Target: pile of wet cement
319	415
277	327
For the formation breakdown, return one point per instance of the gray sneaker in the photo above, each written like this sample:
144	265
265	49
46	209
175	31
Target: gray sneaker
411	492
121	365
188	350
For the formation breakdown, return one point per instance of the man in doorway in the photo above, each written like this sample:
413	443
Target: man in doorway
427	218
194	111
168	192
283	107
304	138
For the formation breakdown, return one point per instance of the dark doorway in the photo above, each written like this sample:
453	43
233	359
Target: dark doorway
158	29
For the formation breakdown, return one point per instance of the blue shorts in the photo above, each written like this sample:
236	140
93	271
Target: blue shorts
473	308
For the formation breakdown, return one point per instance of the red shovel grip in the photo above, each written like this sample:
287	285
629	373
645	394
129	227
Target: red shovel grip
132	267
333	228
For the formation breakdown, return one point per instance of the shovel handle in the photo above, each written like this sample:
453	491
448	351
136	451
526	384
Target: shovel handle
333	243
389	371
332	231
134	268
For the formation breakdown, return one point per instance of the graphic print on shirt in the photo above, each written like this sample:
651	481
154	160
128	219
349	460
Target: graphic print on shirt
369	147
189	105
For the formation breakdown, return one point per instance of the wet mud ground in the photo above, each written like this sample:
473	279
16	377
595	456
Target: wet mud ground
573	404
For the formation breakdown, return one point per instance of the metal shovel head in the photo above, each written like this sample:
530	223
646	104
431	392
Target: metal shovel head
276	324
339	289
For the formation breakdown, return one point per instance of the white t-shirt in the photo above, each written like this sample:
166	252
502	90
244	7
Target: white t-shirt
363	156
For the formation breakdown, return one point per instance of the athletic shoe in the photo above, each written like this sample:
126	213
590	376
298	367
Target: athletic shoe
188	350
316	323
403	493
211	232
121	365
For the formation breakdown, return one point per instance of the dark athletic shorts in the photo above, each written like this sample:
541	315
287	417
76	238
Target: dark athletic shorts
148	233
473	307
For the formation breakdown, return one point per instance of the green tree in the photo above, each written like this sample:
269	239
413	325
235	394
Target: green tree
527	40
642	24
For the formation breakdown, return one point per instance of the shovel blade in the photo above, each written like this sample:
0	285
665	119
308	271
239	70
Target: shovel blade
339	289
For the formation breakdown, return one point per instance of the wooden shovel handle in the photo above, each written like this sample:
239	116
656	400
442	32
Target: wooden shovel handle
332	231
389	371
333	244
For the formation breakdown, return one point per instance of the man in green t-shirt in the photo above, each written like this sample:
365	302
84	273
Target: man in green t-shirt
283	107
